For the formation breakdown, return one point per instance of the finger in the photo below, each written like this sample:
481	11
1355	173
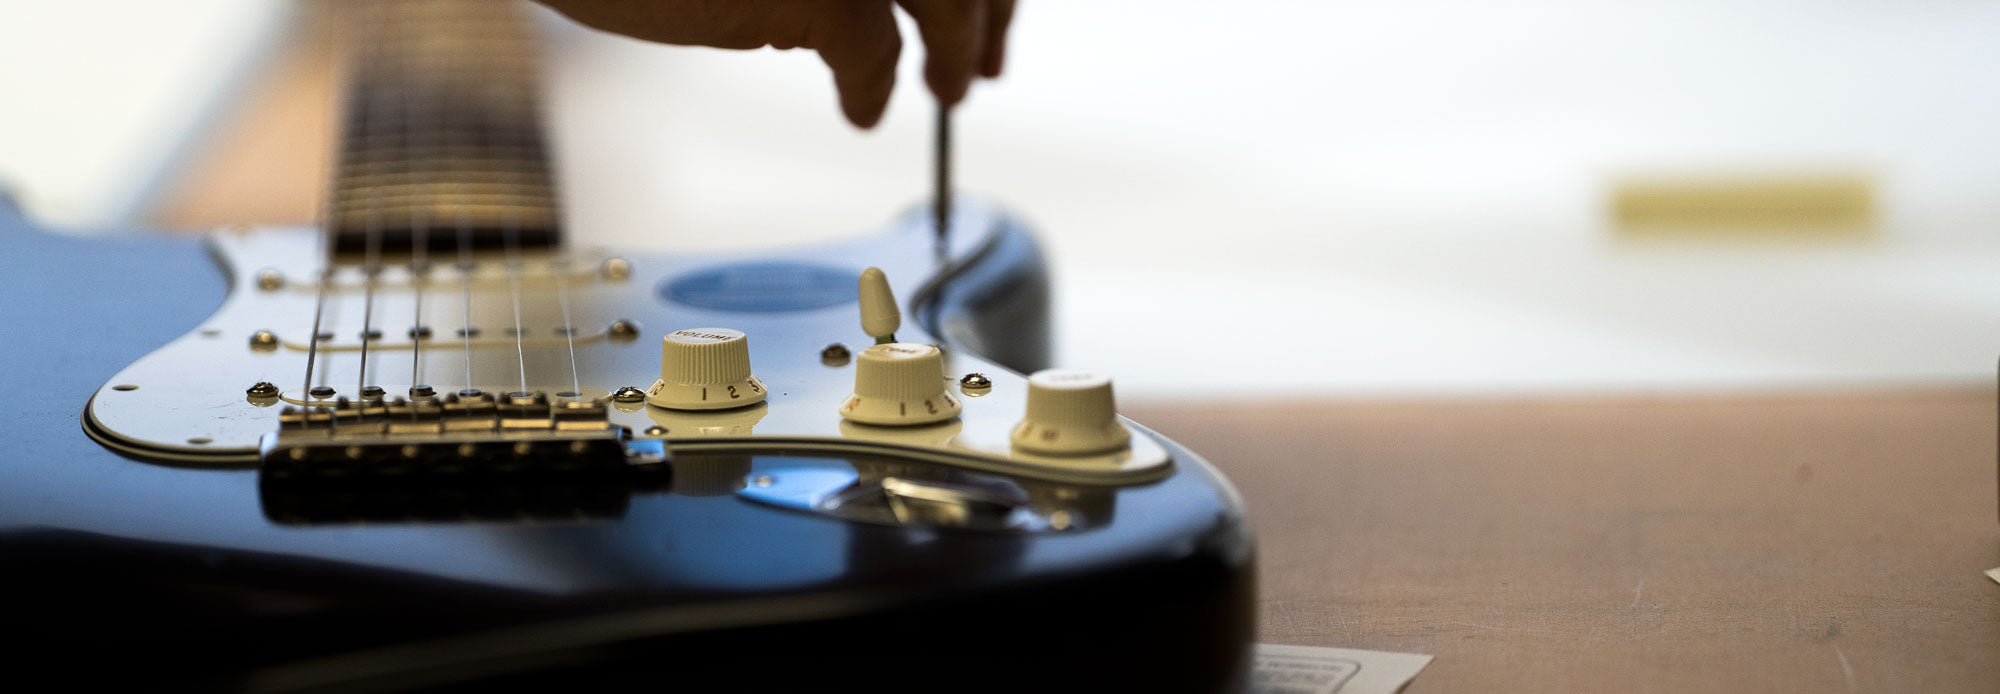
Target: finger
857	40
999	16
953	31
860	45
716	23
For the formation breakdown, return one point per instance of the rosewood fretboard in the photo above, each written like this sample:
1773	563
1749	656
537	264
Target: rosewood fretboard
442	144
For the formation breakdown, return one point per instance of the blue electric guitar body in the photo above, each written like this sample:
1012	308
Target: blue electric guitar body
292	460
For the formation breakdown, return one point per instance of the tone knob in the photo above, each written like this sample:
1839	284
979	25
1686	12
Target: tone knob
1070	413
899	383
705	369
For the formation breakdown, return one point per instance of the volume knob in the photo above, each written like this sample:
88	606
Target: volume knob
898	383
705	369
1070	413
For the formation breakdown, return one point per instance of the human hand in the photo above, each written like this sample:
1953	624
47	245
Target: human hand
857	39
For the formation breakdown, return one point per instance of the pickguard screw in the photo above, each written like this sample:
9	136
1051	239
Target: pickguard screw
263	341
656	430
624	330
263	389
269	280
617	269
834	355
975	384
629	394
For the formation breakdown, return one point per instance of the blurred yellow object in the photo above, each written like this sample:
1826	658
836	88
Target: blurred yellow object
1728	205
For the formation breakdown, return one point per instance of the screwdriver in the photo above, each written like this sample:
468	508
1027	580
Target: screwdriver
941	162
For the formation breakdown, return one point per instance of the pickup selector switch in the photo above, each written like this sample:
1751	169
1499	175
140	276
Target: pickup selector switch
705	369
1070	413
899	383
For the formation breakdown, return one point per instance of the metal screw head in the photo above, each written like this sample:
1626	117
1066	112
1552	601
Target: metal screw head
269	280
835	354
263	341
629	394
617	269
321	392
656	430
975	384
422	391
263	389
623	330
420	332
371	392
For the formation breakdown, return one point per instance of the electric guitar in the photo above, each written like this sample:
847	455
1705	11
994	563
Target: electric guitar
432	445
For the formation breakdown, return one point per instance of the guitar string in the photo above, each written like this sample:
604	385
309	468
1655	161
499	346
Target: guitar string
465	268
420	245
569	331
453	124
328	227
377	105
371	271
510	224
559	268
511	235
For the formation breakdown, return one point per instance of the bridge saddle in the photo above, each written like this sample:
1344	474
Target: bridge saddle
449	435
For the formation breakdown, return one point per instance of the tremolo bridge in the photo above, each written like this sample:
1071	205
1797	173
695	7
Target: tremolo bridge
448	435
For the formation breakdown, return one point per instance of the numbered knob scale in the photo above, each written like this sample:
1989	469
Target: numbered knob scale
1070	413
898	383
705	369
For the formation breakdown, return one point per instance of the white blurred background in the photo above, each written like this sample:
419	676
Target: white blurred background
1249	198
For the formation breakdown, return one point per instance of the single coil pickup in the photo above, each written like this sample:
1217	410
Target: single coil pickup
444	229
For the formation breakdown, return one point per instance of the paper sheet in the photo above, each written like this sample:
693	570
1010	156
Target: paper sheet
1310	670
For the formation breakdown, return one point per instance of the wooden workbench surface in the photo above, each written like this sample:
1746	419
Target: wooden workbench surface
1748	543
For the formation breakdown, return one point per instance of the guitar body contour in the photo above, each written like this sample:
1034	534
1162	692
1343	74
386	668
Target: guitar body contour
124	563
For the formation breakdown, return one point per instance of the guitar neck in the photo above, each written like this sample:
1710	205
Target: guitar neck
442	148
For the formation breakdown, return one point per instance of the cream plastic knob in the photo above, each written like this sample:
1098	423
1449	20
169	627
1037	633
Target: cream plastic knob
898	383
1070	413
879	316
705	369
